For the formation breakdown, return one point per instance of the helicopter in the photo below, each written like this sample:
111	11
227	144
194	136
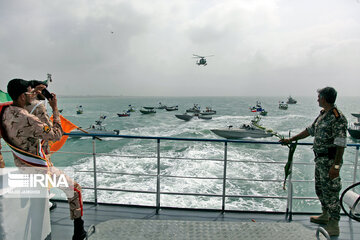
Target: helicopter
202	60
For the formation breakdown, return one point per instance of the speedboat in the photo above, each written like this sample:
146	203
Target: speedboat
283	105
208	111
354	132
161	106
257	107
131	108
245	131
194	109
252	130
184	116
124	114
354	129
263	112
147	110
173	108
291	100
80	110
97	128
205	117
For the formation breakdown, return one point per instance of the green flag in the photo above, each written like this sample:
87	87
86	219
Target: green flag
5	99
287	168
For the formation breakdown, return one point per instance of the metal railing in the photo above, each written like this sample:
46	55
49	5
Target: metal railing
224	177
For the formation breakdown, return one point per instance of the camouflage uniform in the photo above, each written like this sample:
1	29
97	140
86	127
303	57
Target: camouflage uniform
329	131
38	109
24	131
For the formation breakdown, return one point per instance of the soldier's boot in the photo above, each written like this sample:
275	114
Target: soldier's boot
79	231
322	219
333	227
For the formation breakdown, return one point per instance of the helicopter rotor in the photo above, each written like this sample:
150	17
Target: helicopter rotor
197	56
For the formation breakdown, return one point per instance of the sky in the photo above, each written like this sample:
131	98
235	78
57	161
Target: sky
145	48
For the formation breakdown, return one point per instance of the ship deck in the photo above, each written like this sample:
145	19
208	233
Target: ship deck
130	222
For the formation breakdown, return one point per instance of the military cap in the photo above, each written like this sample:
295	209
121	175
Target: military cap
34	83
16	87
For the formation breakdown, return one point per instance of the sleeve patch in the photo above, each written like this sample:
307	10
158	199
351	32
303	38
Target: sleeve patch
46	129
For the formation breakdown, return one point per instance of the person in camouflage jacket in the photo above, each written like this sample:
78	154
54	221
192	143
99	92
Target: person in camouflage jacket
329	132
26	131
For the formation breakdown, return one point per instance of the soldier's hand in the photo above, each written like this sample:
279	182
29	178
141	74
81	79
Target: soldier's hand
2	163
333	173
39	88
285	141
53	102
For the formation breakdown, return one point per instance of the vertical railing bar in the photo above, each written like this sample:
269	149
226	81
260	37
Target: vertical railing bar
356	164
158	178
224	179
290	192
95	174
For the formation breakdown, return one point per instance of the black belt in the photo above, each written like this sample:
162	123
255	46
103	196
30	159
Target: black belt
317	155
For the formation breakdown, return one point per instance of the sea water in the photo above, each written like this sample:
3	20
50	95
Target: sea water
124	162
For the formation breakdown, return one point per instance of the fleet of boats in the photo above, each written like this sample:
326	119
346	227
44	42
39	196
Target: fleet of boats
251	130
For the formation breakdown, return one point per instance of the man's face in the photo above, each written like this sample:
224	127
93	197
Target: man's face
30	95
321	100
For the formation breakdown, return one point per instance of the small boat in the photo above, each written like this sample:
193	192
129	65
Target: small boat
354	129
257	107
357	115
291	100
354	132
173	108
194	109
97	128
244	131
263	112
184	116
205	117
283	105
131	109
161	106
147	110
80	109
124	114
208	111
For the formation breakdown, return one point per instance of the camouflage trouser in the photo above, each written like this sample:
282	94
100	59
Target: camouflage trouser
73	192
327	189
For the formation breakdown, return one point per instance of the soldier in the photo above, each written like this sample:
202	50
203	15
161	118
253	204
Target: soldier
37	107
329	131
24	131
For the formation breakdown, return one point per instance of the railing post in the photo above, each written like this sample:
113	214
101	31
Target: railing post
158	178
288	215
224	179
356	163
94	162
